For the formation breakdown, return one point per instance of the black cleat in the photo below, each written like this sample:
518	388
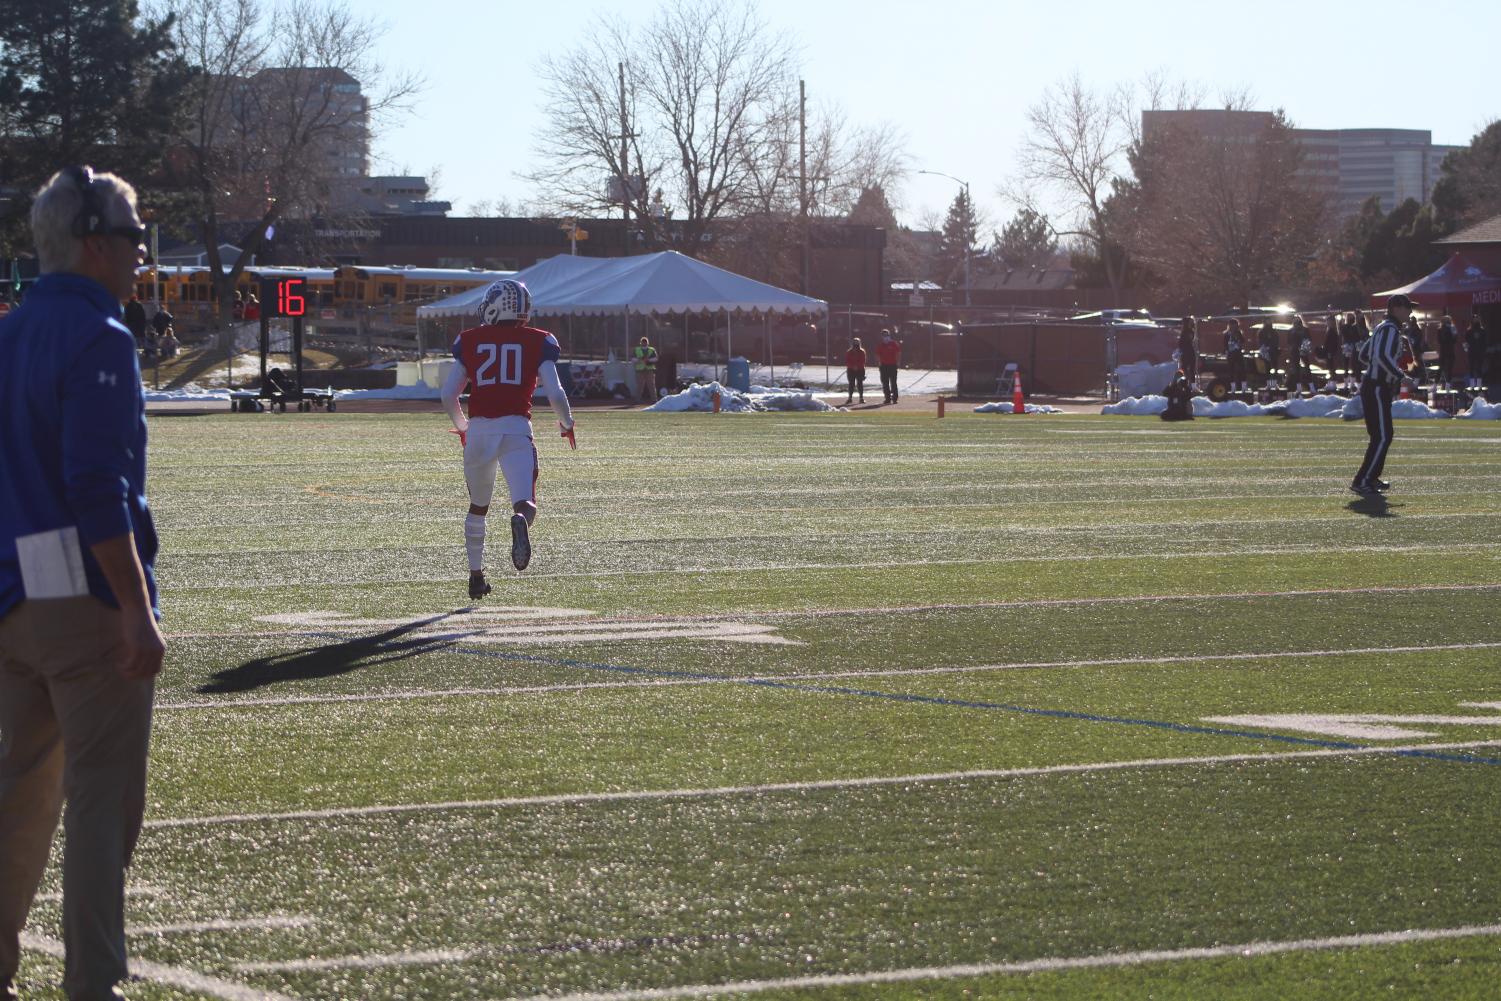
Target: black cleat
478	586
1380	484
1365	490
521	545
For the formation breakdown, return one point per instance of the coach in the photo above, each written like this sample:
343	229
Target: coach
79	643
1381	356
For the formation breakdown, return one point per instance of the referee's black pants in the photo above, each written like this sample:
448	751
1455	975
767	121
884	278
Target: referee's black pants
1376	401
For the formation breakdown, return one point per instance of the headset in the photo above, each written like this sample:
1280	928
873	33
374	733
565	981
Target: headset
92	218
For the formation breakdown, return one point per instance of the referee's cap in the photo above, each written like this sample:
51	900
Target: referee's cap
1399	300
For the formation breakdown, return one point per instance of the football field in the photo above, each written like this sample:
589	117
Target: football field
823	706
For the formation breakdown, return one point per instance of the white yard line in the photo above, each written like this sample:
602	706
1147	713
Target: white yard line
421	958
221	924
134	890
577	686
174	976
563	799
1247	950
951	606
1424	548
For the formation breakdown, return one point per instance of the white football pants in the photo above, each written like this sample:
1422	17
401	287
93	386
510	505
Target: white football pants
488	446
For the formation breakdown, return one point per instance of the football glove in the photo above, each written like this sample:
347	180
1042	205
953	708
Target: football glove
463	436
568	433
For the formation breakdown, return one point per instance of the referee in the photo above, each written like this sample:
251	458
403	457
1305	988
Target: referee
1381	356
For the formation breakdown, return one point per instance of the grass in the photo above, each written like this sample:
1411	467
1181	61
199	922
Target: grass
1028	606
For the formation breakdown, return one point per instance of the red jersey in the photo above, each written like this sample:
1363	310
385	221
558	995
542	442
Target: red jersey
854	358
889	352
502	362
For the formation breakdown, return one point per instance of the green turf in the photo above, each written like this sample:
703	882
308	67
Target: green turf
962	597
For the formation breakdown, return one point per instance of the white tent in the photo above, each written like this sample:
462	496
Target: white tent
660	283
539	278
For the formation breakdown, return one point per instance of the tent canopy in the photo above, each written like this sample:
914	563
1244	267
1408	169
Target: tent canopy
667	282
1457	283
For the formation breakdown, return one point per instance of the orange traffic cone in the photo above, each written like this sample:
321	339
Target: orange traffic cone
716	401
1018	402
940	407
1403	394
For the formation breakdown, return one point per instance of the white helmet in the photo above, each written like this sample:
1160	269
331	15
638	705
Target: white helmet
505	300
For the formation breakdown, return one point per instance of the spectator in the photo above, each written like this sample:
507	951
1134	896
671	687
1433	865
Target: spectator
1448	343
1300	355
1493	373
1235	357
161	321
1188	348
151	350
1475	344
1269	346
1414	334
1179	395
1333	350
135	320
1350	341
889	354
646	371
252	307
169	344
854	370
79	642
238	306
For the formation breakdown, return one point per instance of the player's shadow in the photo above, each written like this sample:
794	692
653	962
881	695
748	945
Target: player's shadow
1372	507
329	660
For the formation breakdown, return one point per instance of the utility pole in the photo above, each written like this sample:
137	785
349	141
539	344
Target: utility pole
625	165
802	173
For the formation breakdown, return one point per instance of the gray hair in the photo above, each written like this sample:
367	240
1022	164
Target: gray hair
58	204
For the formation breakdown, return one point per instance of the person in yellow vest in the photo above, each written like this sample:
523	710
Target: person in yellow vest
646	371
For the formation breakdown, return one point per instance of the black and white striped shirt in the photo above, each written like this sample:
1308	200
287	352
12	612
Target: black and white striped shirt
1382	352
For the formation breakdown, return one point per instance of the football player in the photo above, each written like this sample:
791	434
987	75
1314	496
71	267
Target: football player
501	361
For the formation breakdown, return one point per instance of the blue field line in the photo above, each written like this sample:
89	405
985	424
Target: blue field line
1209	731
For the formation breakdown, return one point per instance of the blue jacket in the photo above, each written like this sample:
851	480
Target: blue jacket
72	442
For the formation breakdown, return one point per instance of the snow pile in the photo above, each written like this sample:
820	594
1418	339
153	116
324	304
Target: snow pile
191	392
417	391
1010	408
1142	378
1313	406
700	398
1137	406
1402	410
1481	410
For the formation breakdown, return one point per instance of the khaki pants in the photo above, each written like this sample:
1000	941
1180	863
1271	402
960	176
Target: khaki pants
647	382
70	728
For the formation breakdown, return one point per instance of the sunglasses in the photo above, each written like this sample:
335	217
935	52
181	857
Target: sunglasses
135	234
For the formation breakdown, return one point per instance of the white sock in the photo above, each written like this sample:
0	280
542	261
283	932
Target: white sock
474	540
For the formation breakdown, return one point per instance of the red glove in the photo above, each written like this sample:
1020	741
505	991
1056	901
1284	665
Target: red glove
463	436
568	433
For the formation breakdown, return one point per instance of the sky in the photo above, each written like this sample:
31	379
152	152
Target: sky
955	77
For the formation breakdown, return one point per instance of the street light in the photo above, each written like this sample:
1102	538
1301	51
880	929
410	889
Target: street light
965	185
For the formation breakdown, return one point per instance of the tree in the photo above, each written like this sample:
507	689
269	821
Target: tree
1221	217
700	104
1075	151
1027	241
1469	185
958	240
277	97
871	208
82	81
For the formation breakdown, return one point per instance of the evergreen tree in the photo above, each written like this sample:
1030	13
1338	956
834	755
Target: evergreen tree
958	240
1469	185
81	81
872	209
1027	241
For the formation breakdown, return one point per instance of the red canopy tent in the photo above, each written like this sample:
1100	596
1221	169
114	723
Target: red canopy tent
1457	288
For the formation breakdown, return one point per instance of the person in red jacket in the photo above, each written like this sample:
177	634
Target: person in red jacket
889	354
854	370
